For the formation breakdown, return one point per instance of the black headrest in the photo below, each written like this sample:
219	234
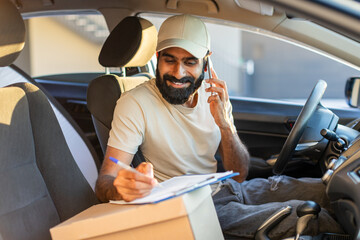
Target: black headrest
102	94
132	43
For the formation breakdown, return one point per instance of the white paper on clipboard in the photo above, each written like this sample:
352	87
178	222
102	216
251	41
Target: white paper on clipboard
177	186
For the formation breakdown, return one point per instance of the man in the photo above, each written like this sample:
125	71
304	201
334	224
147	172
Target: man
179	122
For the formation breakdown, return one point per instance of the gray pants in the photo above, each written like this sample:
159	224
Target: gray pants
242	208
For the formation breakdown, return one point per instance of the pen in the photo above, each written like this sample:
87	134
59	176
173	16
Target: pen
127	167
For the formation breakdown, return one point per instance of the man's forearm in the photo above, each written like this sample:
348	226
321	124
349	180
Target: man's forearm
105	190
234	153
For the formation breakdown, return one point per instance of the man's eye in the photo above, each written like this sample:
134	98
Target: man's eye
169	61
191	63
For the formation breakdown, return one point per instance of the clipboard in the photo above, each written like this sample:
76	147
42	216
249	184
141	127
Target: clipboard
180	185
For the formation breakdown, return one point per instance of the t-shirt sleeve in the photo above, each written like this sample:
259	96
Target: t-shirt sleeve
128	125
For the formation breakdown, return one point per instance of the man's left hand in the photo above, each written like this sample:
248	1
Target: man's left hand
218	100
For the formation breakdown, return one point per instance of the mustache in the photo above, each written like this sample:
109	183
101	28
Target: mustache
167	77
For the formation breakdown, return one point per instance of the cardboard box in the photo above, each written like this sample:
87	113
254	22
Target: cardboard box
190	216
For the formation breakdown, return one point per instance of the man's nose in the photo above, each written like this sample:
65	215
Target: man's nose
179	71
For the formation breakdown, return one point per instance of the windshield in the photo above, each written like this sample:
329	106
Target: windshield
261	65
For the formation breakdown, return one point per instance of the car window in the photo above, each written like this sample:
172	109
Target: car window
63	44
66	48
266	66
253	64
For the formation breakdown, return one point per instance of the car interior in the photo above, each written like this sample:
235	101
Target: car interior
54	128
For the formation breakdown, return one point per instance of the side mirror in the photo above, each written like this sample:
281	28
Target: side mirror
352	92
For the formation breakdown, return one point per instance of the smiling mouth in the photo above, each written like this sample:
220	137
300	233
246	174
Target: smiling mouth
178	84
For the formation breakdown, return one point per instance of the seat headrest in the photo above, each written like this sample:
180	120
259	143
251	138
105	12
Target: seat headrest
12	33
132	43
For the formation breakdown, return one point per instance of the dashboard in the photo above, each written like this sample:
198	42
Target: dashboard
343	186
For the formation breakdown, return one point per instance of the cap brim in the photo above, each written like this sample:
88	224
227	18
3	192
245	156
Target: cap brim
196	50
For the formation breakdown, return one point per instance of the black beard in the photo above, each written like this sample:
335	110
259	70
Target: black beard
177	95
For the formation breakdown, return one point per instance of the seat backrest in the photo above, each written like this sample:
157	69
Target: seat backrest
132	43
81	149
40	183
12	40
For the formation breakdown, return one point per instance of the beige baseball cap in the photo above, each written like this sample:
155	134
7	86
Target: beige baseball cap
186	32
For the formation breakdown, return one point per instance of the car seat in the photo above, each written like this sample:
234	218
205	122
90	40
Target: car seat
132	43
80	146
40	183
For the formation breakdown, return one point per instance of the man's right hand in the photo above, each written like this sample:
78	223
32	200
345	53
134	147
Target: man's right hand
117	183
132	185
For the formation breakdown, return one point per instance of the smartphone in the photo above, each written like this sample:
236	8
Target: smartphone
209	66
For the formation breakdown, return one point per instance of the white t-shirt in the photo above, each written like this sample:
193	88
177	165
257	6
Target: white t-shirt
177	140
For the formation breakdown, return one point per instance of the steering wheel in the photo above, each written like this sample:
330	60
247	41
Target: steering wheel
299	127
